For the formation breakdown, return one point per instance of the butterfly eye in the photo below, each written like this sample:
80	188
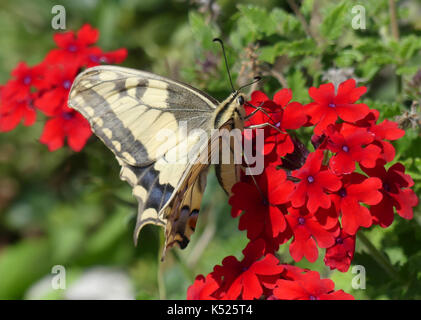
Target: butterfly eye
240	100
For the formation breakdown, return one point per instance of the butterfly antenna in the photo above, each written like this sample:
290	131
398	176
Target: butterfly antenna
255	80
226	61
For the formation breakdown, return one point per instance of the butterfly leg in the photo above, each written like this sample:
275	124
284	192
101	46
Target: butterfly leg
263	125
257	109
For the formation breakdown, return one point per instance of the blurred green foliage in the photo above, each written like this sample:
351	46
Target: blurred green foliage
71	209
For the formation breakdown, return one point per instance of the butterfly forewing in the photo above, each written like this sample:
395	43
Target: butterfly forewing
128	108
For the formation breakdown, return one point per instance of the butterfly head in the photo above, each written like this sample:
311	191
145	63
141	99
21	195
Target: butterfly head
231	110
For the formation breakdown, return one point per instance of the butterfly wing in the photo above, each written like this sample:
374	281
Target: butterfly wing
127	109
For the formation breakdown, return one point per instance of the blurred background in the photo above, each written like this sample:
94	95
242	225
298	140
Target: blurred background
71	209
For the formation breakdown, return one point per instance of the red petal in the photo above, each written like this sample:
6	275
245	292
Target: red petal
64	39
282	97
348	93
329	181
367	191
294	116
352	112
407	199
329	117
310	250
87	35
289	290
53	135
354	216
251	286
324	94
257	97
269	265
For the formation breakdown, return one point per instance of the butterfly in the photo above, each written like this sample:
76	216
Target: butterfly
127	109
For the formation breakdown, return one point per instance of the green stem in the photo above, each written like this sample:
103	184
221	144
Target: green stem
394	26
399	86
160	274
379	256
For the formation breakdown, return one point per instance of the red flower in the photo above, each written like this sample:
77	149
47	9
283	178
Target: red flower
340	255
95	56
309	287
387	130
395	186
57	84
349	149
306	229
356	188
315	181
262	203
281	114
247	278
12	112
73	49
202	288
26	77
327	106
69	124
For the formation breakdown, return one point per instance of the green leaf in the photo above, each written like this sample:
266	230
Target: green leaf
348	57
258	19
407	47
21	265
297	84
269	53
407	70
202	31
298	47
286	24
334	22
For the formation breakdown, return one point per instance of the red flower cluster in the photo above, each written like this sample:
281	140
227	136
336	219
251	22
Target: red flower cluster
45	87
317	198
262	277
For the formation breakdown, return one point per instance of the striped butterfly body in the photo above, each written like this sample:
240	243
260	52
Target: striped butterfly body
127	109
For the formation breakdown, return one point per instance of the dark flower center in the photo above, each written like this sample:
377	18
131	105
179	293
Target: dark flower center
67	84
339	240
244	269
345	148
332	105
265	201
310	179
27	80
301	220
94	58
67	115
386	186
313	298
72	48
342	192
